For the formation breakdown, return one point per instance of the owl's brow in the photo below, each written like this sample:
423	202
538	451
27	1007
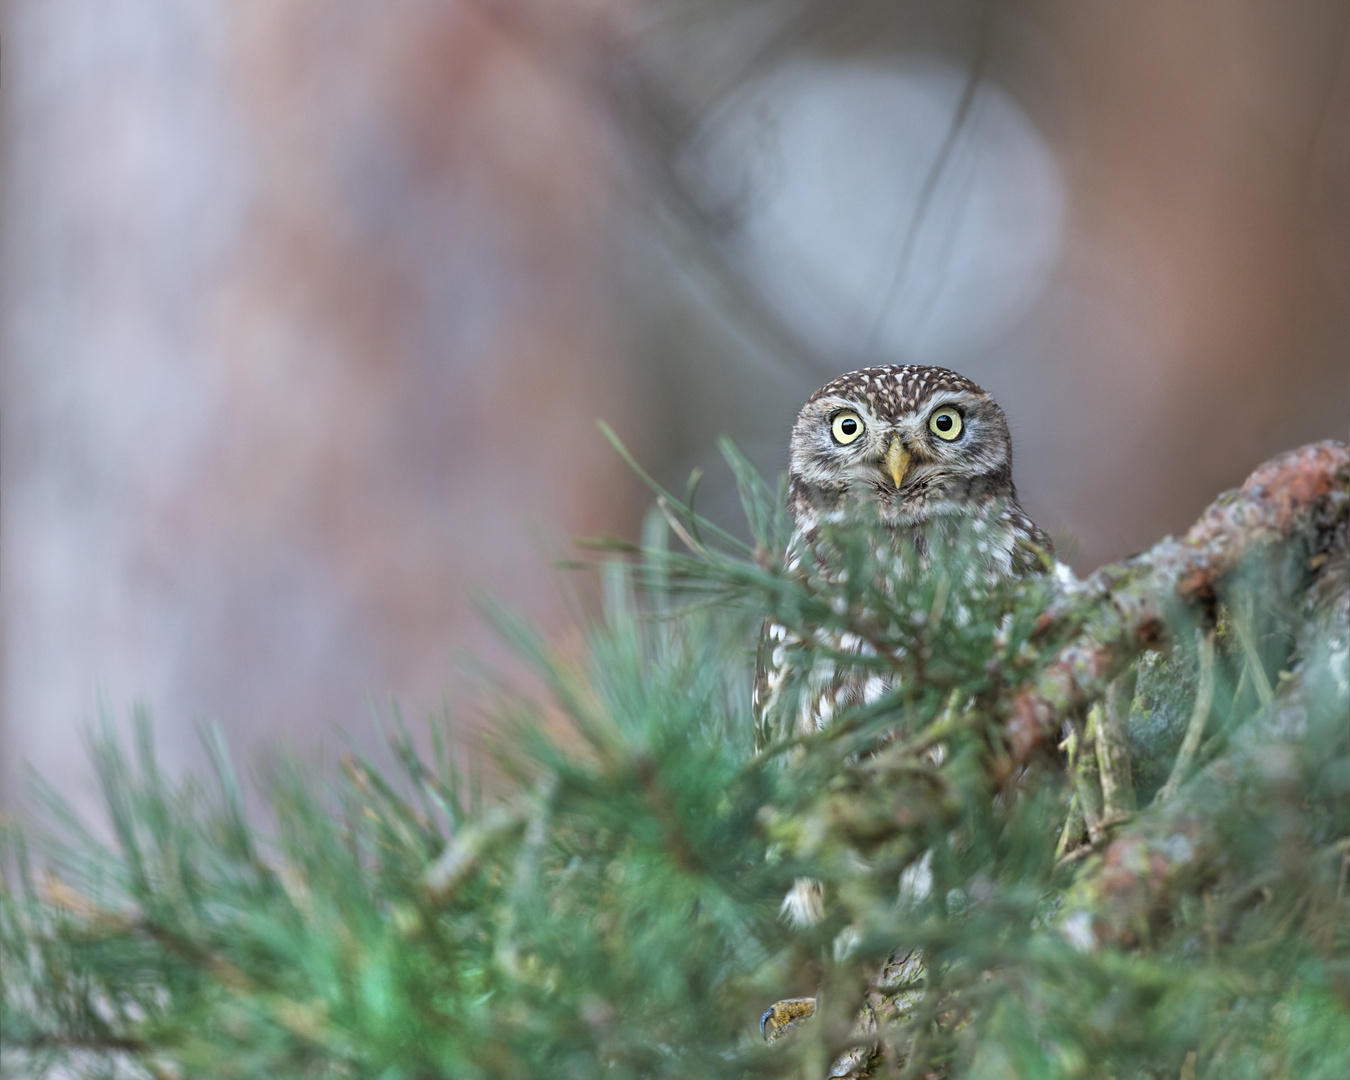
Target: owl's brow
947	398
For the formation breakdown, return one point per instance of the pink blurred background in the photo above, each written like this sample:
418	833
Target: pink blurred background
310	308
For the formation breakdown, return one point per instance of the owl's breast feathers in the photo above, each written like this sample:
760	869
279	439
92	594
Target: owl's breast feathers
1005	544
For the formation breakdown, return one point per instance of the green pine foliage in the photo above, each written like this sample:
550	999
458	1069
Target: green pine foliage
616	914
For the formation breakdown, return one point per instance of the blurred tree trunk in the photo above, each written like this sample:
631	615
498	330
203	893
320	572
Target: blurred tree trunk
305	340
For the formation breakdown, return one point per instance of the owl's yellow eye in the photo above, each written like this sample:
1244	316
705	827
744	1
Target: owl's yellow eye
945	424
846	427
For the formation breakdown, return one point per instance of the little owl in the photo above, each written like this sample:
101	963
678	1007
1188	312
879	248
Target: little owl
932	451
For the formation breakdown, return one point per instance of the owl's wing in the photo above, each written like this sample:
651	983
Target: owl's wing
1033	552
771	671
797	690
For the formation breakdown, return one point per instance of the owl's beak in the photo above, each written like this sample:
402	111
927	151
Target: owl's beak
897	461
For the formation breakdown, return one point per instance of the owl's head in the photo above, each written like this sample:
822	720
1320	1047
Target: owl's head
917	440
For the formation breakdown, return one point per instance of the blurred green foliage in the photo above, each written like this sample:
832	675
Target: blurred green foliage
616	913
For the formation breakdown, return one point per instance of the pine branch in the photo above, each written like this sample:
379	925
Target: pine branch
1124	608
990	907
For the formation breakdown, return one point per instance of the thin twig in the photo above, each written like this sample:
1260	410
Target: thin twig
922	204
678	528
1195	729
1073	829
1087	778
1078	854
1254	665
1113	751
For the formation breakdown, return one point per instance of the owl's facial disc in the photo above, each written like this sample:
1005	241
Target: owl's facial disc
916	441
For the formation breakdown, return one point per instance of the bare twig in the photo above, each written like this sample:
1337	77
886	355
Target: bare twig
1087	780
1113	751
1204	699
677	527
1243	624
1074	827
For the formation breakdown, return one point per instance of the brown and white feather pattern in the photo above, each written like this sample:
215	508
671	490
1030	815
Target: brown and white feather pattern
958	487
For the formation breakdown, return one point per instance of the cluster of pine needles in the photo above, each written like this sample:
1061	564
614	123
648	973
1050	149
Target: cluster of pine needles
1159	890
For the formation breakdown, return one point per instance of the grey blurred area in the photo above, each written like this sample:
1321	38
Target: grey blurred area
310	306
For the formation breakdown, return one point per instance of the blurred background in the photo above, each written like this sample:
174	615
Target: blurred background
310	306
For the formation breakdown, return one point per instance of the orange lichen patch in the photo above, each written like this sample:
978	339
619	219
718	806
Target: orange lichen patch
1265	508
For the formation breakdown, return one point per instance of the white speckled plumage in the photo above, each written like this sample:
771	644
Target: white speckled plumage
917	479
